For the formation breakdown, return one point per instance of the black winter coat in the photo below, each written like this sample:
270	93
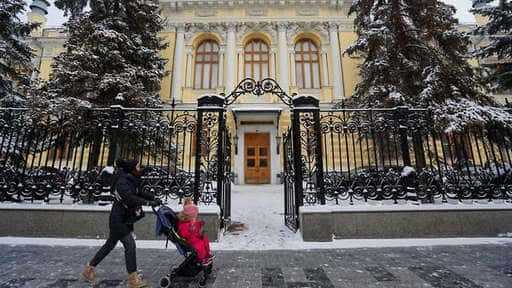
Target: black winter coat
128	187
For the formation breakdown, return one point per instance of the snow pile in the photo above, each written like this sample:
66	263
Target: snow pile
508	235
409	206
408	170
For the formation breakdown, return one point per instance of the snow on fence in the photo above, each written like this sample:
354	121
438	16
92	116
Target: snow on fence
397	155
384	155
59	159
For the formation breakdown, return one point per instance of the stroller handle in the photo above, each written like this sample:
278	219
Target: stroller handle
154	207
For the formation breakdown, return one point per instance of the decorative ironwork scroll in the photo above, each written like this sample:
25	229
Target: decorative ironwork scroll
291	219
303	175
57	161
396	155
213	155
258	88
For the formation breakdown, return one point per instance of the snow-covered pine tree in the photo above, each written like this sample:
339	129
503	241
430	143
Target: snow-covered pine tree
498	31
15	54
415	56
74	7
112	55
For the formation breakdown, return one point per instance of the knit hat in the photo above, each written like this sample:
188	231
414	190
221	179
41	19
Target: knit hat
191	211
127	165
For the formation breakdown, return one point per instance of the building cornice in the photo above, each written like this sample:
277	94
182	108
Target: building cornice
181	4
343	24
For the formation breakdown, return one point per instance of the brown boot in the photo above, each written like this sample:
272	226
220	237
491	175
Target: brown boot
89	275
135	281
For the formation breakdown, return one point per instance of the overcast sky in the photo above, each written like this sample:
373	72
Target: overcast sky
55	17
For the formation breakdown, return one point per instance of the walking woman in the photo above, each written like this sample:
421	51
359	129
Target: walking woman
126	210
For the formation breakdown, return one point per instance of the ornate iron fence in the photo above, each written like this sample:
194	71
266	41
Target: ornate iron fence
58	159
329	155
399	155
291	202
213	155
302	159
350	156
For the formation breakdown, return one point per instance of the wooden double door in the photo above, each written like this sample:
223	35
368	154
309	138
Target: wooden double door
257	158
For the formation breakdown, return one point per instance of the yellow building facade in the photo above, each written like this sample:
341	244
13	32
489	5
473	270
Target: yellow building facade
283	26
213	45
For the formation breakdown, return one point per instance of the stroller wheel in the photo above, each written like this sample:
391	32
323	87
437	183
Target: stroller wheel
165	282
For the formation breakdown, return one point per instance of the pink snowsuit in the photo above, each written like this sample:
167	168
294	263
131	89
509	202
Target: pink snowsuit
191	232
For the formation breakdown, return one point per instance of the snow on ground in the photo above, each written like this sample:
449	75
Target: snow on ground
260	209
92	207
294	245
379	207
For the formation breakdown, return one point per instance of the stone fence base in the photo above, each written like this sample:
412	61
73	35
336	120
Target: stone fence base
82	221
323	224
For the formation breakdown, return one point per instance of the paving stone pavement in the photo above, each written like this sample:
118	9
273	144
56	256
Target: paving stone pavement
444	267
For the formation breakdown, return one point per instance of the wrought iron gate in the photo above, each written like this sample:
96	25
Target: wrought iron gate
186	152
302	159
213	156
290	200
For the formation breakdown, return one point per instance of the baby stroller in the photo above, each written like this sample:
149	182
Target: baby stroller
167	224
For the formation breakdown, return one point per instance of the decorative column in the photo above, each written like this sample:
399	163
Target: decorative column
222	50
284	76
325	71
272	63
178	63
293	74
189	79
231	58
241	72
336	62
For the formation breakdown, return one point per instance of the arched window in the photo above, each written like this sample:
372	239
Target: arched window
307	64
256	59
206	65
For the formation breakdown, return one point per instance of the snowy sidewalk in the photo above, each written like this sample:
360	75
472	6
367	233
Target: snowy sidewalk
260	209
266	254
445	267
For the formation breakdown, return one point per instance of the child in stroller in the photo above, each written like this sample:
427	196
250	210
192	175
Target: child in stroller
168	224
